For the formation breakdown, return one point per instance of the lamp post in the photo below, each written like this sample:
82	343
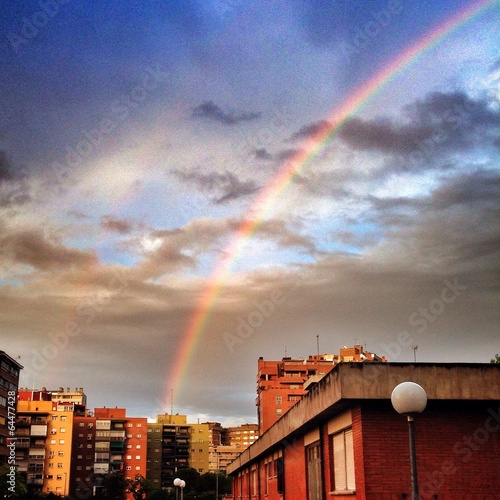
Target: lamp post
217	475
181	484
408	399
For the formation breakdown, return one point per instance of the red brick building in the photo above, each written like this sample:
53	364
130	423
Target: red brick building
280	384
344	439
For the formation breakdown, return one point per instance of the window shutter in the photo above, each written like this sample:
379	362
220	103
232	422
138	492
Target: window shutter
349	458
339	465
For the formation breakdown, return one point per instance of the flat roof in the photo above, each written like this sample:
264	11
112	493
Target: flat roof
349	382
3	354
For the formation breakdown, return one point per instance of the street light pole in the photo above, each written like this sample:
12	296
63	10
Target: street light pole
181	484
217	475
408	399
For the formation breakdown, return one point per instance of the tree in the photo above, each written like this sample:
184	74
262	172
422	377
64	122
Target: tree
140	487
496	359
113	487
11	484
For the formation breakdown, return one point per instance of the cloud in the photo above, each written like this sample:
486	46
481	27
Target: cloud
382	135
211	111
173	250
263	154
5	168
32	248
112	224
441	122
310	130
223	187
14	189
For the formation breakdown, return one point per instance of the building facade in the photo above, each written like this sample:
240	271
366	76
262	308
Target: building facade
344	439
280	384
44	435
168	445
9	383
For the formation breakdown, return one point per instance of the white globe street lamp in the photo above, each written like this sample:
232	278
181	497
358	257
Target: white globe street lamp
181	484
409	398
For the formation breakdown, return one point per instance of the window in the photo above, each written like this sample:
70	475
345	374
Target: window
138	457
137	467
129	467
81	424
314	483
139	435
90	426
279	412
129	457
59	465
343	461
63	418
54	417
61	441
279	471
139	425
279	400
62	429
60	453
78	467
52	441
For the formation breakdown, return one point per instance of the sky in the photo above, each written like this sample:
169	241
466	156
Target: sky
188	186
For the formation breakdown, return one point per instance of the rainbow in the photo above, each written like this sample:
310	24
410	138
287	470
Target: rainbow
286	174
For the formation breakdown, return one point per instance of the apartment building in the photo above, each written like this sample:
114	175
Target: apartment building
280	384
44	432
9	382
168	445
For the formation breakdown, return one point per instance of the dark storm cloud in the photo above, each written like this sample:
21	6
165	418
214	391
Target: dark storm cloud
382	135
211	111
456	223
222	187
440	122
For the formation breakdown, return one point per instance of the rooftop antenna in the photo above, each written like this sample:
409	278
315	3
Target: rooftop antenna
317	343
414	347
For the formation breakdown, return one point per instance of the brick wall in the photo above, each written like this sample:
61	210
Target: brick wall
457	445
